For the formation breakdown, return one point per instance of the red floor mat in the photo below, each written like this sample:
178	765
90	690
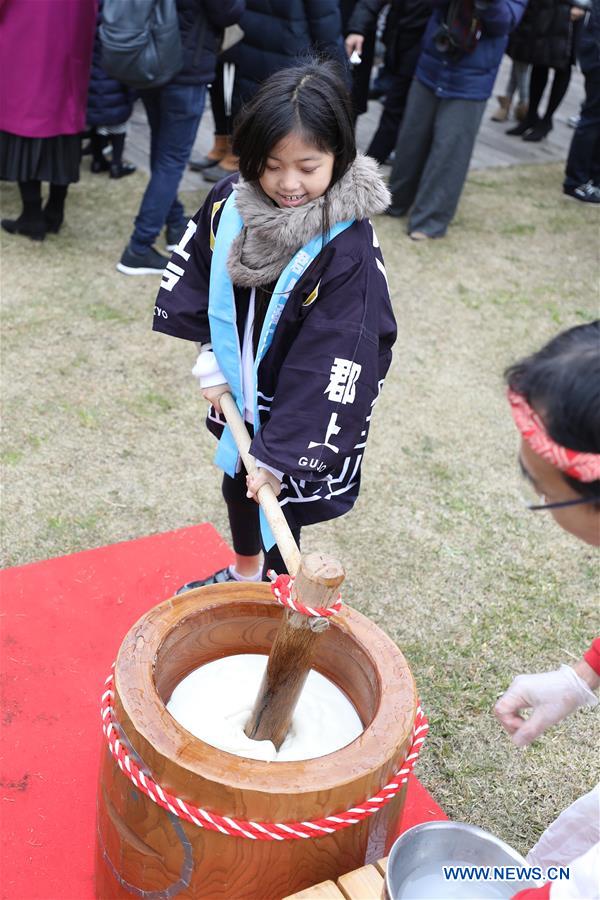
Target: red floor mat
62	623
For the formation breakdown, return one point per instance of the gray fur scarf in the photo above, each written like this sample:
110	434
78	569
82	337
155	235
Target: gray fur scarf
272	235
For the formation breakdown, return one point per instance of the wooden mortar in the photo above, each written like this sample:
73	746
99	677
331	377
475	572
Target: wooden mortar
144	850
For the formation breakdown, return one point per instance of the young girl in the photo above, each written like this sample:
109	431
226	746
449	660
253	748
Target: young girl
280	279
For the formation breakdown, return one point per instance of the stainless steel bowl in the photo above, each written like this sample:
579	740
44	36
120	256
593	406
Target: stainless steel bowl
415	864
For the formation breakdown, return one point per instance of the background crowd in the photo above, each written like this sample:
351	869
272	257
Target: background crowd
440	61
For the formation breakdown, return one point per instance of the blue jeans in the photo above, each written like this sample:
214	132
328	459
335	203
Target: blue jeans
174	112
583	162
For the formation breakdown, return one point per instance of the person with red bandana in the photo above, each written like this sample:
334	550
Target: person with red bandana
555	402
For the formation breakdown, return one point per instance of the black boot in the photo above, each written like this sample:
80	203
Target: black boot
119	169
55	207
31	222
523	127
539	131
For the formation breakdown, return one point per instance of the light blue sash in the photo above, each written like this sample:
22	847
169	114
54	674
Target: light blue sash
223	328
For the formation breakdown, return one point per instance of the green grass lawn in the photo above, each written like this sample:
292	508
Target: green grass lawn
103	441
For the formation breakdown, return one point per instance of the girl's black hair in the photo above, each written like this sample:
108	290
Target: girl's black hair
562	383
310	99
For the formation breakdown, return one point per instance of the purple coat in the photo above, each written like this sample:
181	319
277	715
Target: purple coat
45	53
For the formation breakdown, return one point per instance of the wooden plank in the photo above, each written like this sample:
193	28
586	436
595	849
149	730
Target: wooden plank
324	891
362	884
381	864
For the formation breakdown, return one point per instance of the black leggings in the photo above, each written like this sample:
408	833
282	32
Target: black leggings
537	84
245	526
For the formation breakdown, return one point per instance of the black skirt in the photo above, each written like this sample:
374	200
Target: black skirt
54	159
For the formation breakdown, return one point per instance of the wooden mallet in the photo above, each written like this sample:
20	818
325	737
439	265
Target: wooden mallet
317	582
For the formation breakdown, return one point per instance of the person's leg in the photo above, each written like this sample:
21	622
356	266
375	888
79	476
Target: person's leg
31	197
243	515
596	162
146	260
217	102
118	145
412	147
521	72
245	534
55	207
441	184
31	222
176	220
560	83
222	138
180	111
511	84
384	139
274	559
151	101
229	162
537	84
583	162
505	99
97	143
119	169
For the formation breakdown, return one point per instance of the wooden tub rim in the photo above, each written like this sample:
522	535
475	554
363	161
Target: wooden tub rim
386	737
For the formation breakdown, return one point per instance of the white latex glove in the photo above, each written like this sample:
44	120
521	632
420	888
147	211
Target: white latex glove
552	696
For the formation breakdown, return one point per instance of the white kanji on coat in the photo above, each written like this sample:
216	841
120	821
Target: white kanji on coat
332	429
342	381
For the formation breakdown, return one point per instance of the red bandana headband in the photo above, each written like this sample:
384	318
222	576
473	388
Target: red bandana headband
582	466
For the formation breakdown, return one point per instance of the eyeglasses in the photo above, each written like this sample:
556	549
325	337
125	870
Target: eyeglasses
532	496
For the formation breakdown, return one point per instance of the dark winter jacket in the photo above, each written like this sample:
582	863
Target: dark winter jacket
472	76
201	23
109	101
404	26
588	49
278	33
337	323
545	36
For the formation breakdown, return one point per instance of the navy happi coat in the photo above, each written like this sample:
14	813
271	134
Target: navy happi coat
321	376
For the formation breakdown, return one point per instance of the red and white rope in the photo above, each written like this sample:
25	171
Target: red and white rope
262	831
281	588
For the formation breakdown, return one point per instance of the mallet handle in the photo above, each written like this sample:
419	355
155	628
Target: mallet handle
266	495
317	581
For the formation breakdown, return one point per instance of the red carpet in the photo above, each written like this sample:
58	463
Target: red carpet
62	623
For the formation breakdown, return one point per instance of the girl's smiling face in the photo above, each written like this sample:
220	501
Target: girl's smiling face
296	172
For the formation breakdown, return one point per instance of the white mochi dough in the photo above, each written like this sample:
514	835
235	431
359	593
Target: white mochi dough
215	701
